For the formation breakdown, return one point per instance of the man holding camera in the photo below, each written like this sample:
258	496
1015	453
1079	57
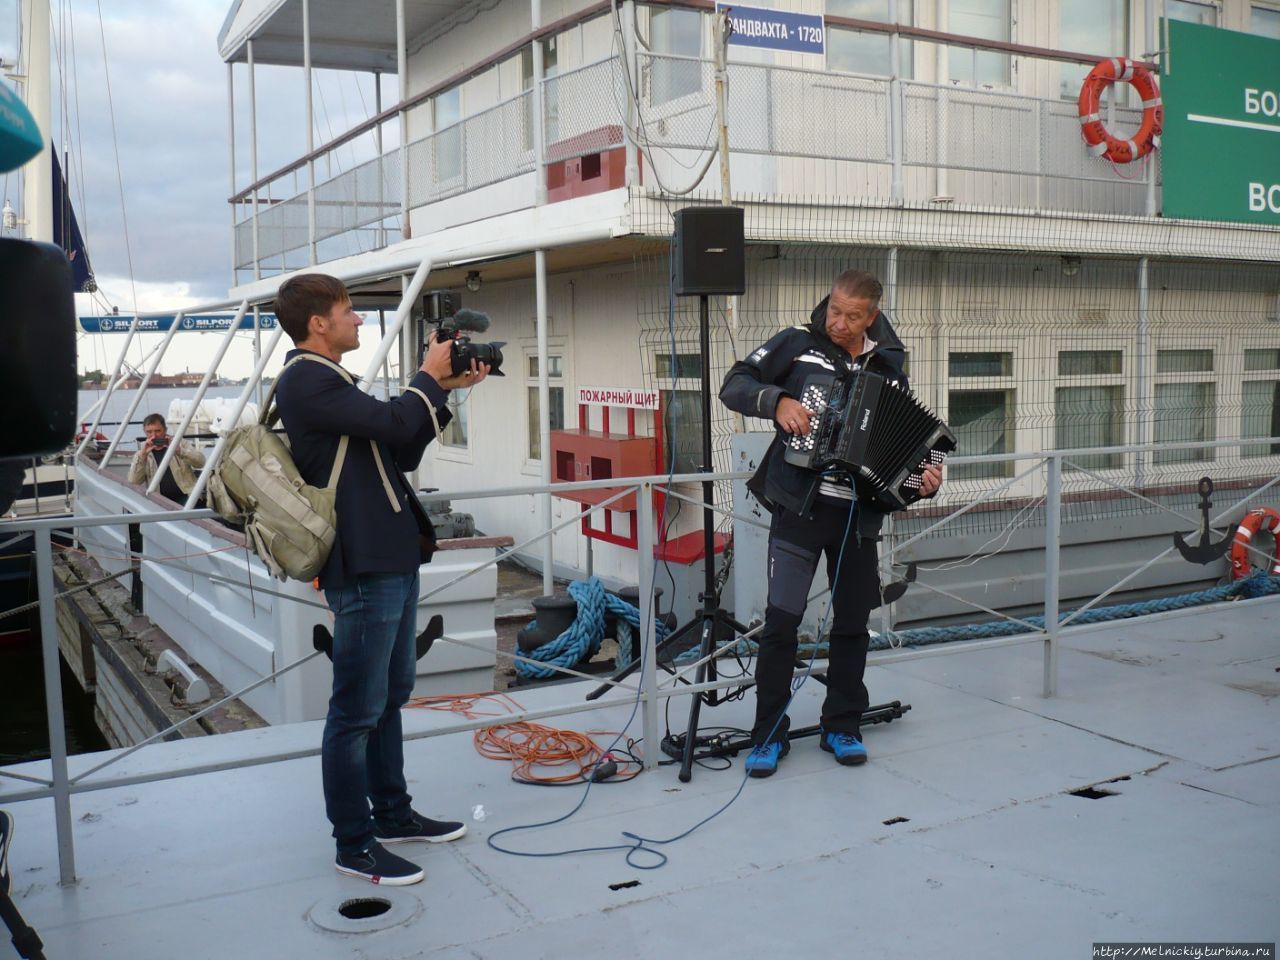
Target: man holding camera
179	480
370	580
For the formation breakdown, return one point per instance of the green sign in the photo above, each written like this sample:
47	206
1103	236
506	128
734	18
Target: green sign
1221	144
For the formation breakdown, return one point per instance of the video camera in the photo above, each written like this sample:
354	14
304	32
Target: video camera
456	328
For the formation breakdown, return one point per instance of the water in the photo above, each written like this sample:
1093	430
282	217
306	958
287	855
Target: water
156	400
24	730
24	734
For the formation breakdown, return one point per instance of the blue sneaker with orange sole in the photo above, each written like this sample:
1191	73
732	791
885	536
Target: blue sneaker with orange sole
762	761
847	748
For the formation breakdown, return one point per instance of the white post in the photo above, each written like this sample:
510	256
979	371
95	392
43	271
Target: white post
381	233
37	203
540	284
241	402
311	137
112	382
53	706
402	68
231	165
402	314
539	106
142	388
895	105
649	705
544	418
1142	379
209	374
942	65
630	66
253	159
1052	543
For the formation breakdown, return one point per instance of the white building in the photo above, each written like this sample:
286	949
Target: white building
1045	300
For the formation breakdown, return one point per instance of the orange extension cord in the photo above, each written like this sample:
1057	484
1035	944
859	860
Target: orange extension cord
529	746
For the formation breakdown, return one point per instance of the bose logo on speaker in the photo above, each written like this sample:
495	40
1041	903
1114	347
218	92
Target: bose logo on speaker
717	250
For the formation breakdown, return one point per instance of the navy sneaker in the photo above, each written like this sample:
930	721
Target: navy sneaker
762	761
418	827
847	747
377	865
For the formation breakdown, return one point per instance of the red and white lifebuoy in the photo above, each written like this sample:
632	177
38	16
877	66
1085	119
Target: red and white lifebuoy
1263	518
1101	142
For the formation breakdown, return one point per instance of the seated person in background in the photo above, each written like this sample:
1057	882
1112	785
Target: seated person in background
180	479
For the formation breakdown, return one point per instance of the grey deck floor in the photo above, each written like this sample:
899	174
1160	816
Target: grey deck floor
996	858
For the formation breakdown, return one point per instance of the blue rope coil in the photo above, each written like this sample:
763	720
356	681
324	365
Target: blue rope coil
581	640
1257	584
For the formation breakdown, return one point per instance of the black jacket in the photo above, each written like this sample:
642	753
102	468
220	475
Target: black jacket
317	406
779	369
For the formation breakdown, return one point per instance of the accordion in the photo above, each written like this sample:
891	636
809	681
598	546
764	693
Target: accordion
878	433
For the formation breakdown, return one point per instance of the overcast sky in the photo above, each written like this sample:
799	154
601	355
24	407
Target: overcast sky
169	91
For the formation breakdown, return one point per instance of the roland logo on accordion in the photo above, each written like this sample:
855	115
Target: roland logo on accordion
895	437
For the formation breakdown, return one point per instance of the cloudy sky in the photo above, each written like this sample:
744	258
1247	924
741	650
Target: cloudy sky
168	88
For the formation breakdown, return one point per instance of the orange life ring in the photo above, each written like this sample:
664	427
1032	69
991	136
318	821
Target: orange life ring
1101	142
1263	518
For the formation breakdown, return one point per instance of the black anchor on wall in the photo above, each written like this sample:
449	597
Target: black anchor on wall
894	591
1206	551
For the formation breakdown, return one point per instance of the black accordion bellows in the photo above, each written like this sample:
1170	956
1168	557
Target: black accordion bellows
876	432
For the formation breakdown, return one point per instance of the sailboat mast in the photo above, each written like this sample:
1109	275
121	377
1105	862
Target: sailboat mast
37	203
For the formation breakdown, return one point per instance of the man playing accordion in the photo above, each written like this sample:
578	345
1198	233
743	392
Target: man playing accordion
817	514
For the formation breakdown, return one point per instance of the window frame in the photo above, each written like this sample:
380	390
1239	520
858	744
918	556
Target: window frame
666	386
1013	384
681	102
1220	355
556	347
1263	375
1122	379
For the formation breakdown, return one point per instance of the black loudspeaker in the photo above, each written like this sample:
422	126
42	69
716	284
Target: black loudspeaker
710	252
38	380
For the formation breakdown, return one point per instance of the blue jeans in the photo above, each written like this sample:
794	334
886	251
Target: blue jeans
374	667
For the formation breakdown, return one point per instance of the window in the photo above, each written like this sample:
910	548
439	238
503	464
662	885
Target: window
1184	412
679	379
980	365
1268	359
1260	416
1265	21
1090	414
982	418
682	423
555	397
675	33
447	142
855	51
550	67
1086	363
455	434
1260	407
686	365
1090	26
990	20
1184	361
1192	11
1185	403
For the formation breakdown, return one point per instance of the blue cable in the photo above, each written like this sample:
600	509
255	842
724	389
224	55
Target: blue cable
631	848
640	841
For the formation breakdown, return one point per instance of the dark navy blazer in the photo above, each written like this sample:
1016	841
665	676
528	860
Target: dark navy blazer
317	406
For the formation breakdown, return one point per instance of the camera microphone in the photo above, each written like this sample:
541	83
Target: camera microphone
471	320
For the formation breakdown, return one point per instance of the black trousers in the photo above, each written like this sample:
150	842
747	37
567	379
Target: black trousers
795	546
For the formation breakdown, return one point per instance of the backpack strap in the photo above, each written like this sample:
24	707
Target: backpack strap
341	456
